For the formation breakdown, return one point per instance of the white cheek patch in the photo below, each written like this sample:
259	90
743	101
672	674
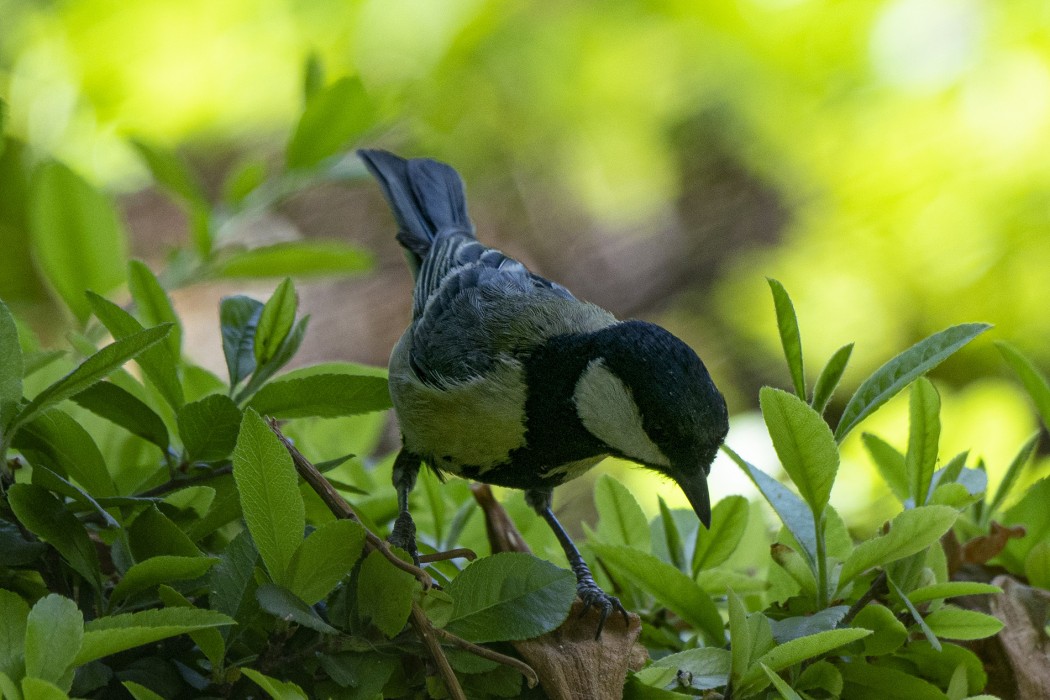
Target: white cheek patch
608	411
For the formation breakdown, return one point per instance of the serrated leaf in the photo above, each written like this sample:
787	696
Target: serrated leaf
509	596
55	440
285	605
804	443
902	370
238	319
109	635
297	259
793	512
888	633
385	594
790	339
333	117
728	523
323	396
951	622
669	586
153	305
78	239
707	667
951	589
157	570
802	649
90	371
830	377
890	463
54	630
924	431
1034	381
324	558
121	407
910	532
269	493
157	362
620	518
10	366
275	321
14	612
1013	472
46	517
209	427
278	690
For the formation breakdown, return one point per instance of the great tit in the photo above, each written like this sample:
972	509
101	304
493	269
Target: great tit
506	378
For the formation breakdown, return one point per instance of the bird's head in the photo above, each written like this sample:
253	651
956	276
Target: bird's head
649	397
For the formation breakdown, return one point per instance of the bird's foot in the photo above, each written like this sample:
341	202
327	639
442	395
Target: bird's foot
593	596
403	535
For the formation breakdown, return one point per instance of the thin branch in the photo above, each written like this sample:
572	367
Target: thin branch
428	634
520	666
173	484
877	588
461	552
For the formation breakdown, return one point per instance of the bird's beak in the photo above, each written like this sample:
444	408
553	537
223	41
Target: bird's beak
694	485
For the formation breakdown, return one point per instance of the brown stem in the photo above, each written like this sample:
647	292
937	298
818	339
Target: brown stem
520	666
878	586
173	484
461	552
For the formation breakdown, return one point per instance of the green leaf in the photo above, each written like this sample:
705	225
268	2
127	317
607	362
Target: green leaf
284	605
795	565
793	512
915	614
822	676
669	586
298	259
951	589
740	643
46	478
510	596
802	649
121	407
154	306
830	377
269	492
209	427
141	692
924	432
862	681
14	613
910	532
284	353
672	539
324	558
333	117
1031	513
10	367
154	534
39	689
804	443
157	570
278	690
46	517
78	239
1013	472
902	370
728	523
232	582
620	518
243	180
951	622
171	173
55	440
780	684
888	633
8	688
385	594
798	626
275	322
109	635
323	396
707	667
790	338
1034	381
210	641
54	631
940	666
313	75
157	362
890	463
1037	565
238	318
16	551
90	371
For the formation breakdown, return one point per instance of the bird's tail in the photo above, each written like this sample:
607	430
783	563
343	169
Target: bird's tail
427	198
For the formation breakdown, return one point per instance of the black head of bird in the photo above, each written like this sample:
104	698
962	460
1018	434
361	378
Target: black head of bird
506	378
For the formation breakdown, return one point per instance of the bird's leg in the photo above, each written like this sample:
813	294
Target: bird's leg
588	591
403	534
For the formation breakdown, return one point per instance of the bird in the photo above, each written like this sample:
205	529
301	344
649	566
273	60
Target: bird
506	378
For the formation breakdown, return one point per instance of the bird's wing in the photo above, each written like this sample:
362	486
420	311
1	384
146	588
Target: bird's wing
474	307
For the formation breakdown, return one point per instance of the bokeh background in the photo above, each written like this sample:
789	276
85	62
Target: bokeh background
886	160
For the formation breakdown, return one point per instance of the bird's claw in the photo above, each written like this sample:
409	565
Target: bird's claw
403	536
594	597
